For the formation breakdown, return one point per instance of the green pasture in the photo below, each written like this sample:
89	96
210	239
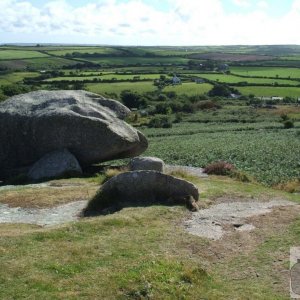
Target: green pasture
267	71
82	50
117	88
16	77
42	63
138	60
267	91
20	54
235	79
189	88
110	76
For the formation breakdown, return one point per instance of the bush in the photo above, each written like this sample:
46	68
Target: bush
160	122
163	108
178	117
219	168
288	124
15	89
207	105
132	99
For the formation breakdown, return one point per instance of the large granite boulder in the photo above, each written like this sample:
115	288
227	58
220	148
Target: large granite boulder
146	163
55	164
88	125
142	188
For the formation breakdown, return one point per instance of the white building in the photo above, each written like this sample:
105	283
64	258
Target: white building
176	80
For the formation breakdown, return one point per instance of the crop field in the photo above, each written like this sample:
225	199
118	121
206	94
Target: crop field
267	91
16	77
269	155
138	60
117	88
20	54
267	71
235	79
41	63
102	50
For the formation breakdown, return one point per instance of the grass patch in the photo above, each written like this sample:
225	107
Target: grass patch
138	253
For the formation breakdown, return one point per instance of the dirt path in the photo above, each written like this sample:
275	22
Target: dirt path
218	220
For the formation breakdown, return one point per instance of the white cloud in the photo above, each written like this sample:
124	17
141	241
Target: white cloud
242	3
262	5
189	22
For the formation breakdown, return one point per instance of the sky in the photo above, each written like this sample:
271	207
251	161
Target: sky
151	22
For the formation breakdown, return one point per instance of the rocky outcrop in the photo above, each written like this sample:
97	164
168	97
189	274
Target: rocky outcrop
55	164
88	125
146	163
142	188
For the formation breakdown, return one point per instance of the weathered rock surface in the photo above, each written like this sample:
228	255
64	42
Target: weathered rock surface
34	124
55	164
141	188
146	163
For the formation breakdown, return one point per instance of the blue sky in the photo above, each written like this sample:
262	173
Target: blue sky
150	22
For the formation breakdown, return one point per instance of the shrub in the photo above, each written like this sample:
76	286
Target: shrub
178	117
208	105
132	99
160	122
284	117
288	124
219	168
290	186
15	89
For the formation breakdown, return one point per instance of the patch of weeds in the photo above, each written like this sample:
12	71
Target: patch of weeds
183	175
241	176
170	278
111	172
65	270
219	168
290	186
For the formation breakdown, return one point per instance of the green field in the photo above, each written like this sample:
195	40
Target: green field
267	71
109	76
269	155
117	88
46	63
16	77
189	88
138	60
235	79
267	91
100	50
20	54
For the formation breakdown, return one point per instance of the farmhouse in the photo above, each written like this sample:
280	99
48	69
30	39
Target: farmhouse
223	68
198	80
176	80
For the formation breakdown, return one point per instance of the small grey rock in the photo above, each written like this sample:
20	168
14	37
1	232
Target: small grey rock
147	163
55	164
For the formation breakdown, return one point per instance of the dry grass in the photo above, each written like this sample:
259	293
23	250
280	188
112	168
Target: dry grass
55	194
290	187
111	172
